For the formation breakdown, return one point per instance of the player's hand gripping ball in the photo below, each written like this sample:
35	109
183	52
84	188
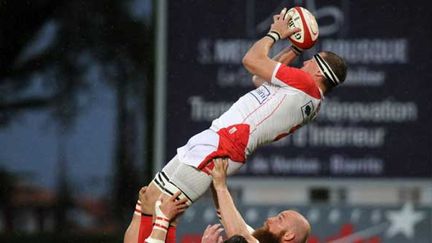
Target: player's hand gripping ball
306	22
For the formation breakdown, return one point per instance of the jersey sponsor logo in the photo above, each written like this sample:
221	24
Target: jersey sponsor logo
260	94
307	110
232	130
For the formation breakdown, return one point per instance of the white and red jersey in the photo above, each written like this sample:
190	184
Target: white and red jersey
261	116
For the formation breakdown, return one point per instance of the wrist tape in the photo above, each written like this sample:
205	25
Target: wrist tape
161	222
151	240
274	35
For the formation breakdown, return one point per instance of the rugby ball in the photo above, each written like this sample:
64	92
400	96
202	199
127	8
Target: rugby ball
306	22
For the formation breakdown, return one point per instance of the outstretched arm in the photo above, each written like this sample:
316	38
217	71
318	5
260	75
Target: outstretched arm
233	222
216	203
132	232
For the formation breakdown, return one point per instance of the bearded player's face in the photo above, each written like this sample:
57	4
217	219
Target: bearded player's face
279	223
263	235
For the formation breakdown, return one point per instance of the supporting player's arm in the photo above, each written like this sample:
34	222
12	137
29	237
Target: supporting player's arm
212	234
233	222
216	203
132	232
166	210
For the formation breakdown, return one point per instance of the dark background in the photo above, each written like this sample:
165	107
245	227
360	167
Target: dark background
77	98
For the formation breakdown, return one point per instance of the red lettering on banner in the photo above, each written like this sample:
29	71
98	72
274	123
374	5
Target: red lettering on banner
346	230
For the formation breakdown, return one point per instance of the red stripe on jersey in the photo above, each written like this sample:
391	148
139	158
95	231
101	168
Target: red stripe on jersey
291	131
280	136
298	79
295	128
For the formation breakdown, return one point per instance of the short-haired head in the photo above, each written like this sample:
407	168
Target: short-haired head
236	239
333	67
289	226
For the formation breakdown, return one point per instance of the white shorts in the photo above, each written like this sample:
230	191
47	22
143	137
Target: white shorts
177	176
189	171
206	145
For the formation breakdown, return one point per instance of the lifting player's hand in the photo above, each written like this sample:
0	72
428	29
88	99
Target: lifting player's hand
170	207
219	172
141	193
280	24
212	234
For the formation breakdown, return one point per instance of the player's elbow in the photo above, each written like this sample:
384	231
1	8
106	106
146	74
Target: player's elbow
249	62
257	81
246	61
